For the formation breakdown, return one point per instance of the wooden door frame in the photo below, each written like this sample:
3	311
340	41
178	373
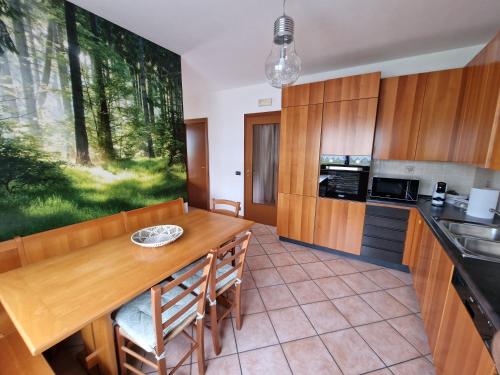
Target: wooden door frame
203	121
247	124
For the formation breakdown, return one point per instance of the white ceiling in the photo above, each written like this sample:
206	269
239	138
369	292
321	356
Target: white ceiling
225	42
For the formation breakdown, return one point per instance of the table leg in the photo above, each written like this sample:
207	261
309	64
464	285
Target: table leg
99	341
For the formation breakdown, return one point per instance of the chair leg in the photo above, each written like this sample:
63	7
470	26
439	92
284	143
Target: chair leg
237	306
162	366
214	328
122	357
200	338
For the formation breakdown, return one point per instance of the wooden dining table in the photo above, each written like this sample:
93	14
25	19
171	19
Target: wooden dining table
55	298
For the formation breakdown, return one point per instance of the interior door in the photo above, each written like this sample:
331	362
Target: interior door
261	166
197	163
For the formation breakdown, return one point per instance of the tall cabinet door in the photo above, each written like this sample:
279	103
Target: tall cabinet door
437	132
296	217
349	127
398	118
299	149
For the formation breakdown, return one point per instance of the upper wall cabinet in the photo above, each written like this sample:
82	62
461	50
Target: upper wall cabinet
398	119
439	114
362	86
348	127
309	93
478	138
300	133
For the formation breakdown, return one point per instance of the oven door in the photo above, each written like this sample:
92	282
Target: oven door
345	184
392	188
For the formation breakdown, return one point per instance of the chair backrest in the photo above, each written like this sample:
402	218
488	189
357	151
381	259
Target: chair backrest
63	240
154	215
232	264
234	207
198	289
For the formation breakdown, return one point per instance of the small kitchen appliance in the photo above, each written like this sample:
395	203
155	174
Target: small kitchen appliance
439	194
399	189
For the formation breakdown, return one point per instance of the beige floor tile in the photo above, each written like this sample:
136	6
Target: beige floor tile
253	240
359	283
277	297
385	304
256	332
292	247
405	277
227	340
351	352
229	365
254	249
274	248
272	229
267	277
325	317
261	230
307	292
340	267
383	371
247	281
282	259
383	279
259	262
310	357
412	329
429	358
269	360
291	324
324	255
267	238
304	256
317	270
356	311
183	370
390	346
363	266
334	287
251	302
292	274
406	295
419	366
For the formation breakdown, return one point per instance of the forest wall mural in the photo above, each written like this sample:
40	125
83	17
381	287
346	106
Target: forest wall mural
91	119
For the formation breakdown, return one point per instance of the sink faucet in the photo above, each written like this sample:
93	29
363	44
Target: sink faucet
496	212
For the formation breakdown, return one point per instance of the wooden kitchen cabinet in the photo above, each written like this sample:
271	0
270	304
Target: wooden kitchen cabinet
361	86
339	224
423	262
459	349
296	217
436	137
398	118
300	133
436	288
308	93
348	127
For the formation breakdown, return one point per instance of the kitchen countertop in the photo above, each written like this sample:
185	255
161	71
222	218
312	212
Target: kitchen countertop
482	277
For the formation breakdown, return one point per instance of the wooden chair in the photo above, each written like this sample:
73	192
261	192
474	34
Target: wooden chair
153	319
234	207
153	215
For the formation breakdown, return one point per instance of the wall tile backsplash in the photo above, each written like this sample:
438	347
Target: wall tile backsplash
459	177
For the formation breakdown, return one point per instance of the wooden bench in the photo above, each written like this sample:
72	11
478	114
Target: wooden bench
15	357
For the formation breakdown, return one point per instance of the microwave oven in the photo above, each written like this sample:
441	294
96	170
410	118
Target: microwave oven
395	188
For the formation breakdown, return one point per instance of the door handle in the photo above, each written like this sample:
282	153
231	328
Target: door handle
202	167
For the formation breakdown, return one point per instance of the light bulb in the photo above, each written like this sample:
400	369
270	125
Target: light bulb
283	65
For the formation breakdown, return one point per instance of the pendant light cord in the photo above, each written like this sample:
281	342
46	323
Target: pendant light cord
284	3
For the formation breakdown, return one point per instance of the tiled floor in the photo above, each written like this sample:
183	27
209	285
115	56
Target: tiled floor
313	312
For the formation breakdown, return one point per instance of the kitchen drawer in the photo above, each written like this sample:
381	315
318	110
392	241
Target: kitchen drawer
380	243
385	222
388	256
389	212
384	233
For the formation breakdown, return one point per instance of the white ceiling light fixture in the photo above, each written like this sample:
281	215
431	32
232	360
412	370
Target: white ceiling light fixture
283	64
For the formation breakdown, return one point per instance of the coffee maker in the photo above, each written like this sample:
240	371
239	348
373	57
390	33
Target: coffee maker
439	194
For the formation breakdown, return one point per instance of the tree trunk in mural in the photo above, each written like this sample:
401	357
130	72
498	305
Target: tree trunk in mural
145	101
81	140
8	91
62	69
47	66
104	136
26	72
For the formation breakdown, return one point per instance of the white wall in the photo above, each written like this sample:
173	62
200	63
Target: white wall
225	110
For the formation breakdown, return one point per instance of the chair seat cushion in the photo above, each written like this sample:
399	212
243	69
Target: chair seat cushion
135	318
221	271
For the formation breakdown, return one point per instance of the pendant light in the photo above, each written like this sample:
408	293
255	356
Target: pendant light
283	64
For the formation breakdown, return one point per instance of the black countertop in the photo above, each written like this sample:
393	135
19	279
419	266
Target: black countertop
482	277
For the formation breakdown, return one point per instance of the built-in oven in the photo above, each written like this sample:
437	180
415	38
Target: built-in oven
344	177
400	189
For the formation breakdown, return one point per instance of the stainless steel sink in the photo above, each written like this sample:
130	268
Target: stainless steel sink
484	232
480	241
